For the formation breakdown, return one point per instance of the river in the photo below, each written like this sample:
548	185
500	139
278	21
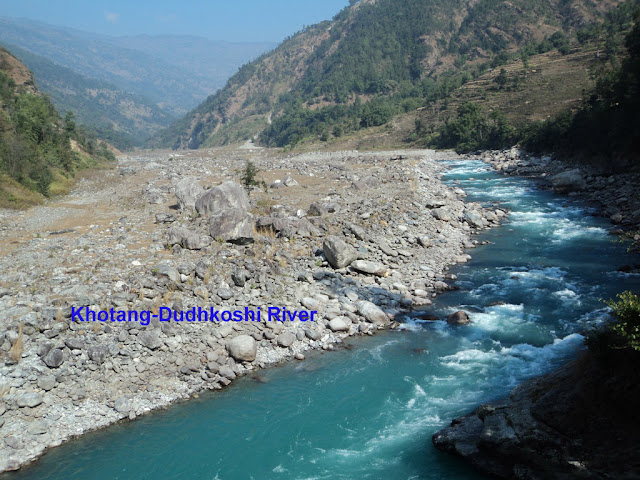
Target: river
368	412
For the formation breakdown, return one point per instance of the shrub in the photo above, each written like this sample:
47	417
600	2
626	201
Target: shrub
626	311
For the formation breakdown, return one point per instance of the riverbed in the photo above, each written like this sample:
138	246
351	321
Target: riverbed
369	411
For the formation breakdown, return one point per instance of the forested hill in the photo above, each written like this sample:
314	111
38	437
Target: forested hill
39	151
375	59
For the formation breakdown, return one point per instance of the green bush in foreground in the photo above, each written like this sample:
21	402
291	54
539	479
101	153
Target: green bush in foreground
626	310
621	337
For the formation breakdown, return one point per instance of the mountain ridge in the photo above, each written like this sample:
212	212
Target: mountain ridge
383	56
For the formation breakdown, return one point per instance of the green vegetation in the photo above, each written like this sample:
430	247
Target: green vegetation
605	128
35	143
622	336
123	119
249	176
474	130
376	60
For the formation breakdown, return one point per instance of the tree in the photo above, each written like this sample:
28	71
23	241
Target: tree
502	79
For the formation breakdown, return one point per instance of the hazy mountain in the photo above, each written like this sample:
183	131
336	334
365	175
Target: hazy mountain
375	59
175	72
123	119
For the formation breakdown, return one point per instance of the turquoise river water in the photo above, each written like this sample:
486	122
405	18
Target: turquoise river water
369	412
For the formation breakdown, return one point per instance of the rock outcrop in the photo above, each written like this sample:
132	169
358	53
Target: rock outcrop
578	422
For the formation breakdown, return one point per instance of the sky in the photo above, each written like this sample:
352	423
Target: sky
231	20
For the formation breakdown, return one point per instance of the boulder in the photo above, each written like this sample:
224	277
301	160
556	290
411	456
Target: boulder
242	348
441	214
316	210
232	225
98	353
122	405
372	313
286	339
338	324
29	400
149	339
188	190
47	382
474	218
290	182
338	253
223	197
458	318
370	268
568	181
54	358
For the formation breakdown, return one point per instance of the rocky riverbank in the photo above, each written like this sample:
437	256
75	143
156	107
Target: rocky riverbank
615	195
362	238
577	422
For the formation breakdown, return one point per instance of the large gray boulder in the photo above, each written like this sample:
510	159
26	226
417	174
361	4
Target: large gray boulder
54	358
370	268
243	348
372	313
569	181
442	214
178	235
338	253
458	318
474	218
188	190
233	225
149	339
223	197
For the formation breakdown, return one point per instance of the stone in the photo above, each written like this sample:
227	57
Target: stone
312	334
442	214
229	195
224	293
290	182
316	210
98	353
232	225
227	372
47	382
458	318
122	405
338	253
568	181
286	339
38	427
372	313
242	348
54	358
149	339
29	400
424	241
338	324
473	218
370	268
188	190
239	277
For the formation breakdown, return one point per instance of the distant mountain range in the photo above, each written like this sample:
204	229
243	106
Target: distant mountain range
153	78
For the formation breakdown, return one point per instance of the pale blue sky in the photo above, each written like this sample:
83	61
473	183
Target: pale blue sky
233	20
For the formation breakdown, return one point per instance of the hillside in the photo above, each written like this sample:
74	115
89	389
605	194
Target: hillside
174	72
123	119
39	151
374	60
